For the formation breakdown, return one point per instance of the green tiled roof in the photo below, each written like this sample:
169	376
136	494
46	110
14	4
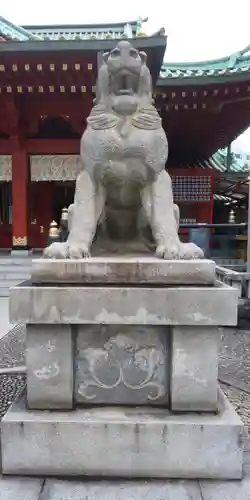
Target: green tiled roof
10	31
237	62
131	29
87	31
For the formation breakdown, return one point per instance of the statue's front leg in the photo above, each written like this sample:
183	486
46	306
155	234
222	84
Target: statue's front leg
157	200
88	206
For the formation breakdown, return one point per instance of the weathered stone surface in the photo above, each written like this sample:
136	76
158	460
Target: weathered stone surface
49	359
194	369
226	490
18	488
121	364
128	270
106	490
122	442
124	305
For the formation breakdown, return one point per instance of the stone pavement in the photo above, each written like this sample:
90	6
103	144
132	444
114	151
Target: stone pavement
5	325
54	489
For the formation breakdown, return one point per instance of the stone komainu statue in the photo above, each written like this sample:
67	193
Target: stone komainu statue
123	153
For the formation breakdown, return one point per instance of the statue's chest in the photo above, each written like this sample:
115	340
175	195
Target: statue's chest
134	144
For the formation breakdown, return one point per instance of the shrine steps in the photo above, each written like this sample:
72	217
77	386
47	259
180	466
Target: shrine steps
13	271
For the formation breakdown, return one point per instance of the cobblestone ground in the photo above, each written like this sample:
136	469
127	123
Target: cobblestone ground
233	368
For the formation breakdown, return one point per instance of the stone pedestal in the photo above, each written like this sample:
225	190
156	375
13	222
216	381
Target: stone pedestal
138	337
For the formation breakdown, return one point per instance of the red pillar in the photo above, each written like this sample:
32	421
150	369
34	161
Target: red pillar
20	183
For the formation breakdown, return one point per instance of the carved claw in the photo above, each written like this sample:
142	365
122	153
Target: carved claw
168	252
77	251
182	251
190	251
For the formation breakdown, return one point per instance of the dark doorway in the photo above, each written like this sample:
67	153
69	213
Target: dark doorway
63	196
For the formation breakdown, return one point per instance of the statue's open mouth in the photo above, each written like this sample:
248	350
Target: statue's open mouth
125	84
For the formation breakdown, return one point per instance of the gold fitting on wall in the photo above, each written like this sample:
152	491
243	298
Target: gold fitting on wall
83	88
2	67
19	89
62	88
51	88
14	67
90	66
19	241
40	88
64	67
52	67
30	89
27	67
39	67
77	67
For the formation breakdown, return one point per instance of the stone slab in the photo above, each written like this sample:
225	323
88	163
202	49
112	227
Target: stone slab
49	360
225	490
106	490
122	442
20	488
122	364
124	305
128	270
194	368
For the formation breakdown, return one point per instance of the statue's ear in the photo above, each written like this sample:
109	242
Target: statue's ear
105	56
143	56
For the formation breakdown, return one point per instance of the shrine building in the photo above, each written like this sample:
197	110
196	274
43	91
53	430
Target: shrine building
47	87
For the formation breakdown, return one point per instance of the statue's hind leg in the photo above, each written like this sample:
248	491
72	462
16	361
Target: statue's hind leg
157	200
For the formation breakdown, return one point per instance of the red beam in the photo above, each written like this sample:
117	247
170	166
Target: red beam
42	146
52	146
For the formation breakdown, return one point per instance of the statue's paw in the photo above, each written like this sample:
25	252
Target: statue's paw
190	251
77	251
55	251
169	251
179	250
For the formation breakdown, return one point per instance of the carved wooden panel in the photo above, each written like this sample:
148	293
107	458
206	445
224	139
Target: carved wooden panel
54	167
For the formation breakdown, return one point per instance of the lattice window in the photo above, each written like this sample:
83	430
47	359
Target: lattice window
192	188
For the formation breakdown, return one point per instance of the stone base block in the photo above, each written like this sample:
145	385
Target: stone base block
117	305
49	359
194	368
124	270
122	364
122	442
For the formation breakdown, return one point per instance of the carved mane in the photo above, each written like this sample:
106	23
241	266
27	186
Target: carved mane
103	117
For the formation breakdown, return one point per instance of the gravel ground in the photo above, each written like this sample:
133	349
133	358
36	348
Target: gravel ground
234	366
11	354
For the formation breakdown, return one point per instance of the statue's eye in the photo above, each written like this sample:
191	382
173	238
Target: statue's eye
133	53
115	53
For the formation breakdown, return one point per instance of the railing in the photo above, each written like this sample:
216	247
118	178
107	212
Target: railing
239	280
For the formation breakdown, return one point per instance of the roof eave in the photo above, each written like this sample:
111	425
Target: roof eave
203	80
79	45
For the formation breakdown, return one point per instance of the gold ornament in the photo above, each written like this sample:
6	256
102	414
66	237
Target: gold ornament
53	229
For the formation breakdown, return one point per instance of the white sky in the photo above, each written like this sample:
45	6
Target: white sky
196	29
